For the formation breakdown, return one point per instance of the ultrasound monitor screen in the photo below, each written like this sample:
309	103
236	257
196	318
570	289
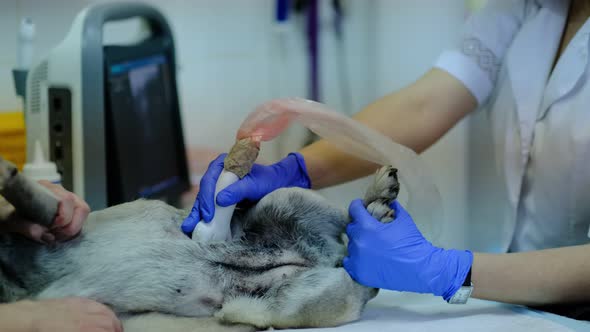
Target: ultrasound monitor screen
141	122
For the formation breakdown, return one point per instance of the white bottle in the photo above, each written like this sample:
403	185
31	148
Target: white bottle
26	36
40	168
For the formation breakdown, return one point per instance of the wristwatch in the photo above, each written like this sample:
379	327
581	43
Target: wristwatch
463	294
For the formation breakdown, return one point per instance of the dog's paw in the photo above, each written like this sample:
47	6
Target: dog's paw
245	310
381	193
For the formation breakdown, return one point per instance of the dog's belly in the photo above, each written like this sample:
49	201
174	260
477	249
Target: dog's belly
136	260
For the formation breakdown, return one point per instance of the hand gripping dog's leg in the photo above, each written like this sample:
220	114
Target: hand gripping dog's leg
30	199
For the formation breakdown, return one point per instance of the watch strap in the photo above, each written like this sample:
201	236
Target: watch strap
467	281
464	292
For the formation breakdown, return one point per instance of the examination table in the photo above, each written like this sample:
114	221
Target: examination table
404	312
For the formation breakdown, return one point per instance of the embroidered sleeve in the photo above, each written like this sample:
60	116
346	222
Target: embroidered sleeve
486	60
477	58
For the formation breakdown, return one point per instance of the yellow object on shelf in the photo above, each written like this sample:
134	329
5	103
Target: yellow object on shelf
13	145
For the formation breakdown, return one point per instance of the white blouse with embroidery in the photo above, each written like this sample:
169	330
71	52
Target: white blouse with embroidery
539	117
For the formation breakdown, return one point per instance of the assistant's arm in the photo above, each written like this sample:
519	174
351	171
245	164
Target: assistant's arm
14	318
65	315
416	116
533	278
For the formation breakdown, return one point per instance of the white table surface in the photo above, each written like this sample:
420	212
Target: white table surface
406	312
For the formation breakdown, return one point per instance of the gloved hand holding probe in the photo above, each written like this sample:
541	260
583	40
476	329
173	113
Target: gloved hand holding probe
289	172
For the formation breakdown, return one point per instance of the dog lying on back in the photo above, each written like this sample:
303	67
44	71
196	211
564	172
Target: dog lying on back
282	268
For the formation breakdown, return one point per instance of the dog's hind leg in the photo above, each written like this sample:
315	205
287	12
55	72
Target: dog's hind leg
381	193
319	297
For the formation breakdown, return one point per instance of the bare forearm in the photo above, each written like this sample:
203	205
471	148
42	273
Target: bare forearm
416	117
533	278
14	317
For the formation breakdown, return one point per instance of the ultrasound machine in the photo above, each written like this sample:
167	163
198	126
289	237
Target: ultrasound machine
108	115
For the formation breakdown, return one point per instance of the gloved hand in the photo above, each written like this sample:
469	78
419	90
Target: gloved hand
289	172
396	256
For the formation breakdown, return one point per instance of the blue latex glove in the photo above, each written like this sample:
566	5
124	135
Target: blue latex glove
289	172
396	256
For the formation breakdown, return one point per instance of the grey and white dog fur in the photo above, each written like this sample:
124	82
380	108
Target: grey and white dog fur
282	268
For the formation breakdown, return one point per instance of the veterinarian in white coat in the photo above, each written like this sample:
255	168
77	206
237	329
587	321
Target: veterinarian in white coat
66	315
526	64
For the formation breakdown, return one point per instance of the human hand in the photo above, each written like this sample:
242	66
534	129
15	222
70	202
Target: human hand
71	214
396	256
289	172
64	315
